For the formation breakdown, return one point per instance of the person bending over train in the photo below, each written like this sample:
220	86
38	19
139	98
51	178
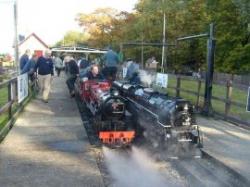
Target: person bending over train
94	73
111	61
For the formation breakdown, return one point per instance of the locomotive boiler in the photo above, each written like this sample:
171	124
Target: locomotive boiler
167	121
108	109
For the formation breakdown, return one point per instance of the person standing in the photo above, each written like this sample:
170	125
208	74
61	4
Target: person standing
111	61
65	63
29	67
44	66
58	65
83	66
73	72
24	59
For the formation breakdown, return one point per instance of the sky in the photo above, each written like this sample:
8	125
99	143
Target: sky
49	19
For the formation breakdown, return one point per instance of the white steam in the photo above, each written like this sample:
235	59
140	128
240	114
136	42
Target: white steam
146	78
136	168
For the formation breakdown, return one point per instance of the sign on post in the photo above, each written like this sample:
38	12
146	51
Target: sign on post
162	80
22	87
248	100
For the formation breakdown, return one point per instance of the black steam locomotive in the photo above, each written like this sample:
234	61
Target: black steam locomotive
166	121
110	121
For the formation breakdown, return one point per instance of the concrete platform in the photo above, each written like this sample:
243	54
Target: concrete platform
48	145
227	143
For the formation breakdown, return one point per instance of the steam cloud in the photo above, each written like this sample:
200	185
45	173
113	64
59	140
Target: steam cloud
136	168
146	78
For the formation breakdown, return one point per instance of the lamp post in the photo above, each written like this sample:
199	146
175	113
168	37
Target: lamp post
163	58
16	53
164	46
16	38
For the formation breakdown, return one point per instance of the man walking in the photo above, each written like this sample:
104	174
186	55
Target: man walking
58	65
44	66
73	72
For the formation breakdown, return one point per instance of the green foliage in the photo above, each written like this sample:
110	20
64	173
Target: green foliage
231	17
73	38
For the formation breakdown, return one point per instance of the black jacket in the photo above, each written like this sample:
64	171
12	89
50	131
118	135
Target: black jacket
73	68
44	66
92	77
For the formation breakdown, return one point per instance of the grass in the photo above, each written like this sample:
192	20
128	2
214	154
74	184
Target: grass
3	101
3	120
3	96
238	95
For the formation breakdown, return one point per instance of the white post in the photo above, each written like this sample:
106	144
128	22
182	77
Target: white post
163	42
16	38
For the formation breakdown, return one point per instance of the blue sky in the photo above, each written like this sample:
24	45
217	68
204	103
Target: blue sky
49	19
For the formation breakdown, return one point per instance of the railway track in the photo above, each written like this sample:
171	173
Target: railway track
205	171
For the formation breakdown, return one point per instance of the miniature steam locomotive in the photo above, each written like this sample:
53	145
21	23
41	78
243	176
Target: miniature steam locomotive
121	109
165	119
111	121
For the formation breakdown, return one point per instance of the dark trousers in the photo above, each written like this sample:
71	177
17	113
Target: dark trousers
71	83
110	73
58	71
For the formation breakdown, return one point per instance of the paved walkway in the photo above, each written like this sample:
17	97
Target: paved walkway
227	143
48	146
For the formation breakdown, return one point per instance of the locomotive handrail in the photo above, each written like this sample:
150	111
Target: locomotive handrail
149	111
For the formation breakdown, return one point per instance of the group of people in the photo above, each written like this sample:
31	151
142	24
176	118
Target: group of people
43	68
90	70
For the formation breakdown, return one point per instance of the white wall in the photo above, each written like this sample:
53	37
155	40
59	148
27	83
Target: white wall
33	44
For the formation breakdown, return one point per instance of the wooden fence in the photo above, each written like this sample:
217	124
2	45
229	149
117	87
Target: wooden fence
226	99
238	80
12	107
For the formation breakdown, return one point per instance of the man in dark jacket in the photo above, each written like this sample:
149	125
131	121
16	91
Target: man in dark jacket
111	61
24	59
73	72
44	66
29	67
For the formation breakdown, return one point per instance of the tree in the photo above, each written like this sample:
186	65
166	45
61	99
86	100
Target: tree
98	25
232	22
232	36
73	38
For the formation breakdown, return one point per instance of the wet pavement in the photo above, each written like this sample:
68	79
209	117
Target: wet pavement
48	145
